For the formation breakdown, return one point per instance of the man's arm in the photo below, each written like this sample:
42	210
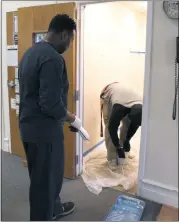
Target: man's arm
51	90
114	123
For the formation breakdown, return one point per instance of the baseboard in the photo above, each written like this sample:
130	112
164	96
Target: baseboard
158	194
93	148
5	147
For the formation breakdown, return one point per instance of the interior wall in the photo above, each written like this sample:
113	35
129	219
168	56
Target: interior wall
159	178
111	31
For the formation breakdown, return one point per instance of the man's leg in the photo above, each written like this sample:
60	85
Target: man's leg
42	183
60	209
46	170
111	150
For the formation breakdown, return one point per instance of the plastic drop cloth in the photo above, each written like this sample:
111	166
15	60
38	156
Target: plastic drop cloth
96	174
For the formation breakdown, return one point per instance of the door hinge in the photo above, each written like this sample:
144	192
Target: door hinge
77	95
77	158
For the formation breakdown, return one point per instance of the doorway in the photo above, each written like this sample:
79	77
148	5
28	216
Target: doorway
114	40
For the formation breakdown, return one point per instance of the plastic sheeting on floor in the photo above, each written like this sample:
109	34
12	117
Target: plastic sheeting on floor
96	174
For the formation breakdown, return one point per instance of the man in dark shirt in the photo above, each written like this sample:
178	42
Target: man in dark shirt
43	109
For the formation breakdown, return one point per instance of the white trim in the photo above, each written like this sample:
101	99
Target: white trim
146	99
158	193
5	92
79	86
6	147
156	184
98	2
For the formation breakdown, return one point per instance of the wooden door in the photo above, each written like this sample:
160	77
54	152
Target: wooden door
36	19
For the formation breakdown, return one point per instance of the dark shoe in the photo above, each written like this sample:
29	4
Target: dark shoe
67	208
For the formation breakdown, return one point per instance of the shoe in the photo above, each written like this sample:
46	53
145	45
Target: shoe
129	155
67	208
122	161
121	156
112	165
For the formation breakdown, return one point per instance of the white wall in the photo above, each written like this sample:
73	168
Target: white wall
111	30
160	169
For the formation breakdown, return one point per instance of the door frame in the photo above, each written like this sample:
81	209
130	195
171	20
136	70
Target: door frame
147	85
79	85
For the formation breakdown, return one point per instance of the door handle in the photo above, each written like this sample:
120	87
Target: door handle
11	84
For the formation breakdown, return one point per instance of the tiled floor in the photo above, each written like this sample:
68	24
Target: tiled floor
168	214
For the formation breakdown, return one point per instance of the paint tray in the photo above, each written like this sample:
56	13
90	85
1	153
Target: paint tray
126	209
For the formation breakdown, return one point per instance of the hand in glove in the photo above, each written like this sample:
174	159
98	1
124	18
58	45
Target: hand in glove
120	153
127	146
73	129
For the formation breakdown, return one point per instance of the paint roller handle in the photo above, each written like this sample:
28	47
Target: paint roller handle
76	123
76	126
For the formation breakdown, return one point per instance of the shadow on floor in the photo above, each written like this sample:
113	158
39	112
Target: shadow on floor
89	207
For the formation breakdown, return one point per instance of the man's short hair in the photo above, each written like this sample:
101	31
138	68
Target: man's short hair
62	22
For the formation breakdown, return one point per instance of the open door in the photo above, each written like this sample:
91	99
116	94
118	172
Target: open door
33	21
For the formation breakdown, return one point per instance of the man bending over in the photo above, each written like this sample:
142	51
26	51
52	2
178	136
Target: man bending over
120	106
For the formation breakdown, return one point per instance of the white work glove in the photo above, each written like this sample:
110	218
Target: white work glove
77	124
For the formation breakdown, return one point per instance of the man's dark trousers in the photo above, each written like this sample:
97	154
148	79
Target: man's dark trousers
46	170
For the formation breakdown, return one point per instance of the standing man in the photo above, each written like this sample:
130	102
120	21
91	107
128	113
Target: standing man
43	110
122	107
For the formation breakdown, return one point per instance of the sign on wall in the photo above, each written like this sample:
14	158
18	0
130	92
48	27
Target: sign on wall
38	37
